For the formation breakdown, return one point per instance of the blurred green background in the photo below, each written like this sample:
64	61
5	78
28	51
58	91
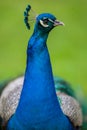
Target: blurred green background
67	45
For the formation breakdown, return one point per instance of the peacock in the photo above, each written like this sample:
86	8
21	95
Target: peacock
37	100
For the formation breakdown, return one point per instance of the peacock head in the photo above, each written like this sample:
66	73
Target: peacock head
44	22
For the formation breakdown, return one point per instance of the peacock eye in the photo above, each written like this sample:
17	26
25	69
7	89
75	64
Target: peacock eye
45	21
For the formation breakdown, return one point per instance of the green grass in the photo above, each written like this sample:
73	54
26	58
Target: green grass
67	45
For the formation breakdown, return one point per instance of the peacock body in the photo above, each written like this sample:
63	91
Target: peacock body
11	95
31	102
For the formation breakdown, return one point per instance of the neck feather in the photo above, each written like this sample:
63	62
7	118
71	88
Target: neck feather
38	101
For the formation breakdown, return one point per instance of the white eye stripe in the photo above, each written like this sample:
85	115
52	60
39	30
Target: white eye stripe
51	20
44	25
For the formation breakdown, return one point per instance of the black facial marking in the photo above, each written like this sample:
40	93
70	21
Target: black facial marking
45	20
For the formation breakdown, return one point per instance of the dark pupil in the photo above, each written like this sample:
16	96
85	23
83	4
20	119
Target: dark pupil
45	21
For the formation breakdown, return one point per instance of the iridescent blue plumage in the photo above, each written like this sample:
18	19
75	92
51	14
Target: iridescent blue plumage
38	107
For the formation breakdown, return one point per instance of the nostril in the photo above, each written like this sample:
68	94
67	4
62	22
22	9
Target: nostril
57	22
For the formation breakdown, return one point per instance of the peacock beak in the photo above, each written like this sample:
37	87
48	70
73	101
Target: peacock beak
57	23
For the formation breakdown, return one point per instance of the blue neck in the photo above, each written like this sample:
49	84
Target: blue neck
38	101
